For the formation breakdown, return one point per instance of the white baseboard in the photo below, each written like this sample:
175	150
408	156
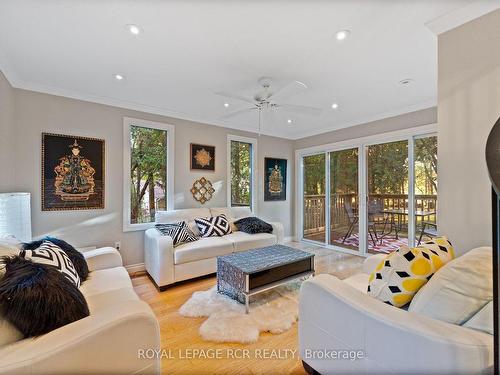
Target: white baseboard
133	268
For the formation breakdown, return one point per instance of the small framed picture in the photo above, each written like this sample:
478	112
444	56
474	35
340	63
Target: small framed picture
202	157
275	179
72	172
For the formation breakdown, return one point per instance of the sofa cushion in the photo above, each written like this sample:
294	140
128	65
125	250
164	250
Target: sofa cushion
204	248
179	232
100	301
73	254
188	215
52	255
243	241
483	320
105	280
459	290
36	298
358	281
402	273
215	226
253	225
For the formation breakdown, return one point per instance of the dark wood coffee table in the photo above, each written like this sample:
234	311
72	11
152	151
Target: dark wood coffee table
243	274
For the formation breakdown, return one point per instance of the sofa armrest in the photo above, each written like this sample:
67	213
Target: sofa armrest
159	257
279	232
99	344
102	258
372	262
335	316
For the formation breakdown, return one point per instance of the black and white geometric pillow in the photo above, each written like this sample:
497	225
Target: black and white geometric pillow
54	256
179	232
215	226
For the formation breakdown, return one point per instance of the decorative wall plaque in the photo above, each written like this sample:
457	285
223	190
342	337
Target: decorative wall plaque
72	172
202	158
202	190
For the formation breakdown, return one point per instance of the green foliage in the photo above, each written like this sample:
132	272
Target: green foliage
344	171
241	173
147	170
314	174
387	169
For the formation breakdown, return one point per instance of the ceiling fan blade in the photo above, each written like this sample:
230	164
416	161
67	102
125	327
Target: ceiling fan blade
289	90
235	96
301	109
237	113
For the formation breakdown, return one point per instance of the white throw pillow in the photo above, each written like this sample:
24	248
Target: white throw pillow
459	289
8	333
483	320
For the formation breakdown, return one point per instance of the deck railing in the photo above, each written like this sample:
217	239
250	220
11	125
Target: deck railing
315	206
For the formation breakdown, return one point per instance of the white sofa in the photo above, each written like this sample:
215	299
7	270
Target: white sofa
106	342
340	315
167	265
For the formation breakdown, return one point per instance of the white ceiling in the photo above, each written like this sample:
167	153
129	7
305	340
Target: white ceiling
190	49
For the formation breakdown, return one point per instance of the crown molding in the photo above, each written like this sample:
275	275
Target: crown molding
462	15
365	120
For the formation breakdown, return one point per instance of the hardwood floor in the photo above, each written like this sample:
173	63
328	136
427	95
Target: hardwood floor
271	354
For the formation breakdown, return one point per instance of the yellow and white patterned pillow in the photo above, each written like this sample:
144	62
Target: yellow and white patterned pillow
400	275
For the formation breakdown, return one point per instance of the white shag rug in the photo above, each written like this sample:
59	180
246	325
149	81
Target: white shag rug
273	311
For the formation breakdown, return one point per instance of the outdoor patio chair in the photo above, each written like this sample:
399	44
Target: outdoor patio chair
429	229
353	220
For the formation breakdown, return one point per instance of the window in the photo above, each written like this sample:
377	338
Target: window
148	171
241	171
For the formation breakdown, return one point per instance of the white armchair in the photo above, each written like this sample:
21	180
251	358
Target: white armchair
337	315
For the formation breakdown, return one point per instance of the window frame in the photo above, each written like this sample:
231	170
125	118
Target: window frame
253	168
409	134
170	129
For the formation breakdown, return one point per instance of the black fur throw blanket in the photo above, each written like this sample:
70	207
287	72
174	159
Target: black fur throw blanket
37	298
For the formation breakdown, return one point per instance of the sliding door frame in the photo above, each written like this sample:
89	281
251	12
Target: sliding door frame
409	135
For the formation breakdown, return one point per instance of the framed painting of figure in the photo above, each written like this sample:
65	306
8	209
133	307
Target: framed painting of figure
72	172
275	179
202	157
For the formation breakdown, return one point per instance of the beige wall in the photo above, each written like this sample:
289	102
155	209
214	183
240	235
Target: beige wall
37	113
468	106
405	121
6	129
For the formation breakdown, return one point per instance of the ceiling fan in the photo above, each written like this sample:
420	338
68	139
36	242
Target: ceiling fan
268	101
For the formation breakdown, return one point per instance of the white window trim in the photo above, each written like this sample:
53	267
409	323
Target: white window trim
254	168
409	134
170	129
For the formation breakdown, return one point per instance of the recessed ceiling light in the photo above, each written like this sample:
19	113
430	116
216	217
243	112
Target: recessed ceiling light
335	105
289	121
134	29
406	81
118	77
226	105
342	34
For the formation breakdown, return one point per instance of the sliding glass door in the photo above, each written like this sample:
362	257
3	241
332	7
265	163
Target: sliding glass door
372	197
314	177
425	156
344	199
387	196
